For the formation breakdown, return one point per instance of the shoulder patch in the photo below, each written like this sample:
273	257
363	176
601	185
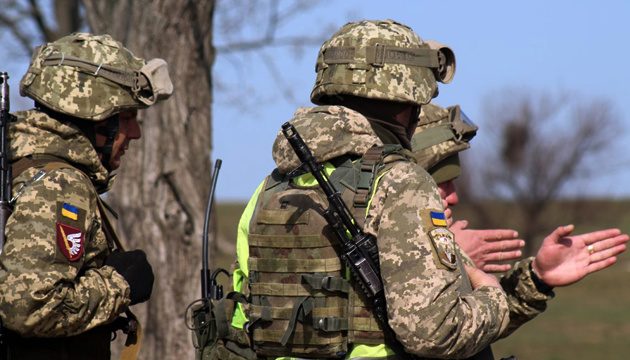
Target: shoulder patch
438	218
433	218
73	215
69	211
443	242
70	241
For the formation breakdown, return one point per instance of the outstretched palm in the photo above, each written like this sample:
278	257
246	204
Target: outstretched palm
563	260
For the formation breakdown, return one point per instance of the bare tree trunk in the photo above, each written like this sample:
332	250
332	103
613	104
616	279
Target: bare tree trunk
162	185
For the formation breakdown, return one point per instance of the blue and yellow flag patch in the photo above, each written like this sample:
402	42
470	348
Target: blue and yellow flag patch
69	211
438	218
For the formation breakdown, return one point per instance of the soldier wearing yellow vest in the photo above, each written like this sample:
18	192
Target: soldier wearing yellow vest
373	77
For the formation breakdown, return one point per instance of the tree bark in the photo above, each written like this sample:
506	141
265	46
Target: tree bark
162	185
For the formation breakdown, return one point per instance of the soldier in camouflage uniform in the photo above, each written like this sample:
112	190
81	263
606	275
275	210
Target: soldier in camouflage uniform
62	286
441	134
373	77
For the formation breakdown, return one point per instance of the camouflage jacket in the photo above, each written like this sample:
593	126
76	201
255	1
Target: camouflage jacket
431	315
52	276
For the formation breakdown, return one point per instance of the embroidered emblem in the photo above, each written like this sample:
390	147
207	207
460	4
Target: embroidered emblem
444	246
69	211
70	241
438	218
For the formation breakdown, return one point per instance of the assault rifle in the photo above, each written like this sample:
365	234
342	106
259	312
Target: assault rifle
5	168
199	315
360	251
5	179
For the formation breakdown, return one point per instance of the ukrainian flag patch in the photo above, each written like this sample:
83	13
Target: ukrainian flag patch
69	211
438	218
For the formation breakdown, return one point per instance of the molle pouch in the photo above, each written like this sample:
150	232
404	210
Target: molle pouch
208	322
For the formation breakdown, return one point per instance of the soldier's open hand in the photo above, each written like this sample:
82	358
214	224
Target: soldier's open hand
563	260
487	248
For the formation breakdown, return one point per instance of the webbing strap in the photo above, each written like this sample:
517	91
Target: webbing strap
287	241
368	165
294	265
221	320
274	289
330	323
299	337
328	283
234	347
365	324
131	79
303	306
284	313
379	55
134	339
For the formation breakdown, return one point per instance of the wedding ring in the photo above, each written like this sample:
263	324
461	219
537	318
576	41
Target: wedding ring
591	250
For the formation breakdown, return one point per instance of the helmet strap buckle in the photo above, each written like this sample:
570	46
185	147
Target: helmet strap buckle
379	55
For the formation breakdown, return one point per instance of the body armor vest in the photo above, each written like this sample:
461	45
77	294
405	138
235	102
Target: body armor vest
302	304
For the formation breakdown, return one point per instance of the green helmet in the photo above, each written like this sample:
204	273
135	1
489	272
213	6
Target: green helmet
440	136
93	77
377	59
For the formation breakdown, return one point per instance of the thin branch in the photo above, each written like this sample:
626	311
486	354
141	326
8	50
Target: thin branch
37	16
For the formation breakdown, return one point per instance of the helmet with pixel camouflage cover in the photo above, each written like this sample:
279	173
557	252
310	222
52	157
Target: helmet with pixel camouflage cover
441	134
377	59
93	77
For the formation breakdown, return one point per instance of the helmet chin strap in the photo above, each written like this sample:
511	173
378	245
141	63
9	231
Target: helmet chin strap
109	131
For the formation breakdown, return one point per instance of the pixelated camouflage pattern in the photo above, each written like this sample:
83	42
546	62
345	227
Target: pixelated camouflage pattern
44	294
426	309
430	154
393	82
73	91
525	301
329	131
37	133
429	314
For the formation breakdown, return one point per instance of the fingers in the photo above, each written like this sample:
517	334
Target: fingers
604	249
503	255
600	265
500	235
478	278
596	236
459	225
496	268
560	232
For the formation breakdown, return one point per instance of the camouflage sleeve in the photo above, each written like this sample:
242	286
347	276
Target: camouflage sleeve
429	314
525	299
52	278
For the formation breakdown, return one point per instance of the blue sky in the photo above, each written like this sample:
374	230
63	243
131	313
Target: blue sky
554	46
578	46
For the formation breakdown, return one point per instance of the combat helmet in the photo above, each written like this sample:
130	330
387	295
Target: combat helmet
441	134
93	77
381	59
